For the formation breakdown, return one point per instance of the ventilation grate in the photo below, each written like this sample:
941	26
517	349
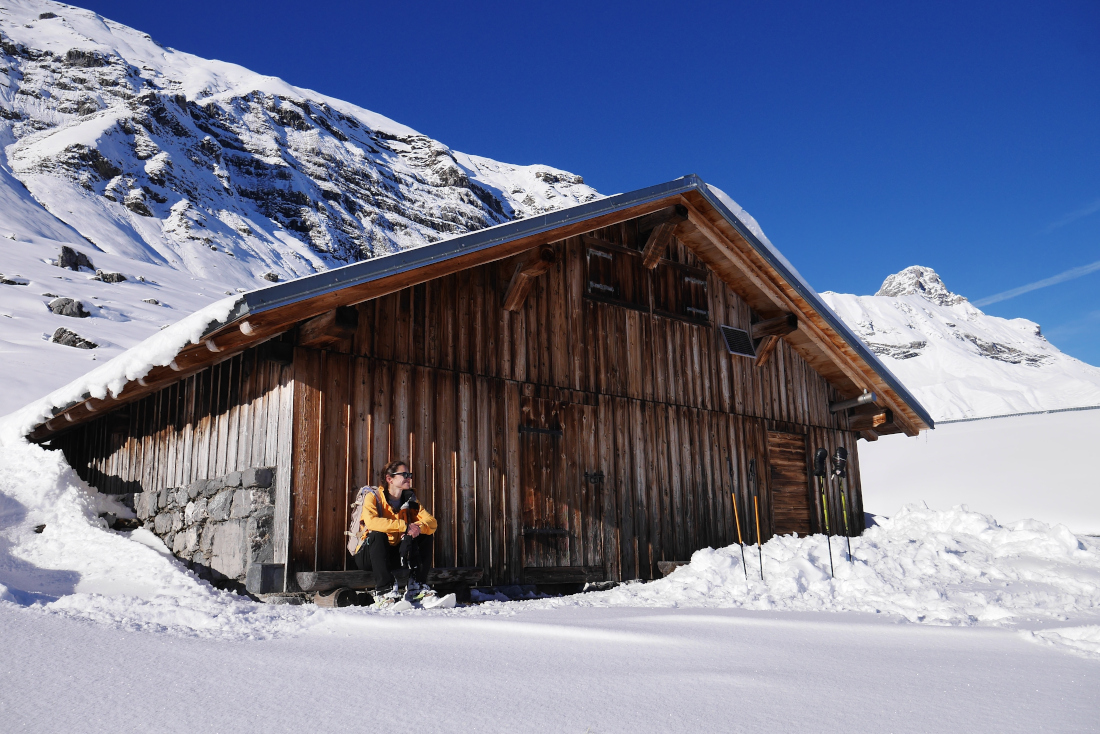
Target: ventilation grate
737	341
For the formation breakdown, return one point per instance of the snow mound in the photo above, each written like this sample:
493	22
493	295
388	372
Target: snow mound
77	568
953	567
1084	640
957	568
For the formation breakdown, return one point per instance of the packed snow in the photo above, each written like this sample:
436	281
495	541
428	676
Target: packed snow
941	620
958	361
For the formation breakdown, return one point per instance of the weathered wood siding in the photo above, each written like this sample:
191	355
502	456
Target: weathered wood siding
442	374
229	417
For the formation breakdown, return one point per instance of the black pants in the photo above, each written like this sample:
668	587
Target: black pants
382	559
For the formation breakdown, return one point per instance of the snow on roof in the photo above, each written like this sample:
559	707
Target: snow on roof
156	351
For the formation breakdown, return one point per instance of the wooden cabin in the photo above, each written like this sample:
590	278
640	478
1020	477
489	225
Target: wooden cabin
580	395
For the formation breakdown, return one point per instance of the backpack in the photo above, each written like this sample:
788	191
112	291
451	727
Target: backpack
354	531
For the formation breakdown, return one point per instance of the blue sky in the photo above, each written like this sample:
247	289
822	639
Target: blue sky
864	137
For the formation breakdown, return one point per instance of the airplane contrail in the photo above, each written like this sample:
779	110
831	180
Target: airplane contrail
1052	280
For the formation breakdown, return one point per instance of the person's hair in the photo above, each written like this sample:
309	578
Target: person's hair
393	466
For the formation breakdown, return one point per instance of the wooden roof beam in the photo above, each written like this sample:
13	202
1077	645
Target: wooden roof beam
330	328
536	262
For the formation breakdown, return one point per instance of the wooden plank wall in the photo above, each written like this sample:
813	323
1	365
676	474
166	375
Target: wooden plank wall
229	417
441	373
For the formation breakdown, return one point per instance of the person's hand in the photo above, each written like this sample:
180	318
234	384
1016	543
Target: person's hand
413	530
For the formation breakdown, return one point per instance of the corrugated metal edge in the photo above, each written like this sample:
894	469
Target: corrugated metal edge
366	271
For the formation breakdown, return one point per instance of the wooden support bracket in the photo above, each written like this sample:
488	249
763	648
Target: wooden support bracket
662	233
329	328
537	262
882	420
769	332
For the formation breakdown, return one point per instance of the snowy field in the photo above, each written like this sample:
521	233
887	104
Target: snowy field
1036	466
941	621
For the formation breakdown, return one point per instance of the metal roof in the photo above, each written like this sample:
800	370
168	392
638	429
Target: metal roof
283	294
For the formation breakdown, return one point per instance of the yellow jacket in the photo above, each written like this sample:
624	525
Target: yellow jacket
379	516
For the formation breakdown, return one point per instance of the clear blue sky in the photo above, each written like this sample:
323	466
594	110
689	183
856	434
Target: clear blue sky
864	137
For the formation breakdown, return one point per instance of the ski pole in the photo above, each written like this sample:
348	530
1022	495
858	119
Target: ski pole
819	471
737	519
756	507
840	468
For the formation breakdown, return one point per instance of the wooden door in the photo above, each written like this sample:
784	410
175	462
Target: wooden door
545	533
562	493
789	483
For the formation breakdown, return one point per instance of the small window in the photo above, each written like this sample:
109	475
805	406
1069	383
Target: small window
737	341
616	275
681	291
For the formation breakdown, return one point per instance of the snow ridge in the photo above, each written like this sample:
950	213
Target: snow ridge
959	361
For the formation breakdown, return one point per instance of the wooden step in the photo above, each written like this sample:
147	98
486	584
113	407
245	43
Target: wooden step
437	577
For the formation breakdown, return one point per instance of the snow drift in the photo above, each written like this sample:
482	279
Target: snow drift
947	568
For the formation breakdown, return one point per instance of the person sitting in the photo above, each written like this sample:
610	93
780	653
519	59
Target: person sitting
398	536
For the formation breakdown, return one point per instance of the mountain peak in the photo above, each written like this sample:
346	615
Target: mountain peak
922	281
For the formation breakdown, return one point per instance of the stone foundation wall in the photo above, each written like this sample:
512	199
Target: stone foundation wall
220	526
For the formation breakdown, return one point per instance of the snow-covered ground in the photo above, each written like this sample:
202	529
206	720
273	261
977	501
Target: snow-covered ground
941	620
1034	466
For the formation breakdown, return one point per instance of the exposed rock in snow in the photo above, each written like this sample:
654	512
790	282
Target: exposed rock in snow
959	361
920	281
68	307
71	339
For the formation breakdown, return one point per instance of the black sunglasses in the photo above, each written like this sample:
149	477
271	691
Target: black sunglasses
403	474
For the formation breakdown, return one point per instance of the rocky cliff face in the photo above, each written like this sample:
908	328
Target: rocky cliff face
180	156
201	178
959	361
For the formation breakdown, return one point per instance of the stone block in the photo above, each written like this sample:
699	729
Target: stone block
262	497
162	523
186	543
197	509
150	526
189	514
199	557
206	541
265	578
163	499
141	506
229	555
259	476
181	497
211	487
242	504
177	520
194	489
169	540
233	479
218	508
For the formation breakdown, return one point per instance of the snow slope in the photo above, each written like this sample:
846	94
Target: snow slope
1028	466
959	361
202	177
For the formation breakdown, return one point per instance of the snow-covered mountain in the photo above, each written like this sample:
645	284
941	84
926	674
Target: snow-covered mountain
959	361
191	178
